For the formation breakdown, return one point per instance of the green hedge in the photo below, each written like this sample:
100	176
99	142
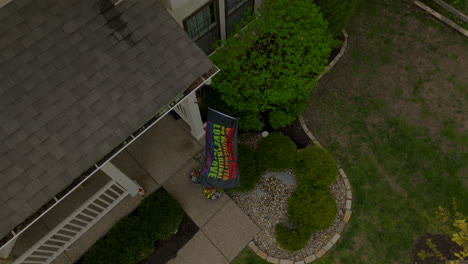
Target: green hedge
292	240
132	238
266	77
337	13
311	206
311	209
316	166
277	152
250	171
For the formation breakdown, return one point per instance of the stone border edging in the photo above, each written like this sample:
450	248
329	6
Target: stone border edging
349	196
337	57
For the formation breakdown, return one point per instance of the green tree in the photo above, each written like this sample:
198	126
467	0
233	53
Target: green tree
269	68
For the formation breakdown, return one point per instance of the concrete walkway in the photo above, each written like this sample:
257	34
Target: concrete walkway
224	228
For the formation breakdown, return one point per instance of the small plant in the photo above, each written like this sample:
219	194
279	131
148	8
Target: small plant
315	166
277	152
213	193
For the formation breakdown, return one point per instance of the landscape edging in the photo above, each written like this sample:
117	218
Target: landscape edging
349	196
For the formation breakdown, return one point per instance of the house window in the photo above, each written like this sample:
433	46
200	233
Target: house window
201	22
236	12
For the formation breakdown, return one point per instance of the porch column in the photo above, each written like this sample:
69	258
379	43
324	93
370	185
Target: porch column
121	178
190	113
222	19
7	248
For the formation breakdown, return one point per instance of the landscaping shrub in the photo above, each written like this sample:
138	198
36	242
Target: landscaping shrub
315	166
250	170
269	69
337	13
160	215
277	152
292	240
132	238
312	208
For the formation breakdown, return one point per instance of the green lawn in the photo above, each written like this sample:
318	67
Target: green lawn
394	114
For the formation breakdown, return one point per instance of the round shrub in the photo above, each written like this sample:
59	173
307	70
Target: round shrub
250	171
122	245
312	209
159	216
292	240
277	152
132	238
315	166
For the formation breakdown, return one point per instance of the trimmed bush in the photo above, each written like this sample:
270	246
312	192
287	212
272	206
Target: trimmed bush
315	166
132	238
312	209
159	216
277	152
250	171
337	13
266	77
292	240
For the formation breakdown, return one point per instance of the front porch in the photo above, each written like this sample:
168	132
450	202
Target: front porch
163	156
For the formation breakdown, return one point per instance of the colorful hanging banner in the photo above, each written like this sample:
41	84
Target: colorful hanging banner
220	169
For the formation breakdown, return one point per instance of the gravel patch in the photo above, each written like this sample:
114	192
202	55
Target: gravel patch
267	206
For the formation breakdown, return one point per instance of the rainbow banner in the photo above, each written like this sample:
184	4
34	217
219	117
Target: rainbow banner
220	168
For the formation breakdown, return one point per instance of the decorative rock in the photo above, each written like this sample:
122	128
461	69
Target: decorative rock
253	247
286	178
300	262
349	195
265	134
310	258
347	216
348	204
272	260
261	254
286	261
335	238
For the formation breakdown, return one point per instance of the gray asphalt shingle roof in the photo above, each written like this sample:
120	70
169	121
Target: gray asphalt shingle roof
77	78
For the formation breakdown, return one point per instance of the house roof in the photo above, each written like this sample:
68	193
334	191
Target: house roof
76	79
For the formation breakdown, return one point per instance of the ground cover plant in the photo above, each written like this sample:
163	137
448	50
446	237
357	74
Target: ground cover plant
132	239
393	113
265	71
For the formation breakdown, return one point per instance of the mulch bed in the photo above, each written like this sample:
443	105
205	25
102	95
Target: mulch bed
167	250
296	133
442	242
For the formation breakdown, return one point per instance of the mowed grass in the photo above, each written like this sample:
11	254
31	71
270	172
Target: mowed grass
393	112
